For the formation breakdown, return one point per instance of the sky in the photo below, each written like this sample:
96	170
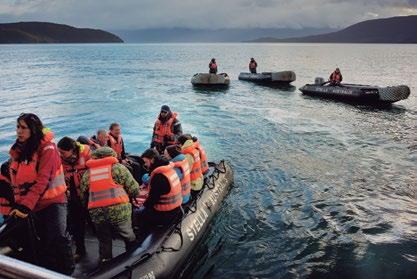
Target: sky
210	14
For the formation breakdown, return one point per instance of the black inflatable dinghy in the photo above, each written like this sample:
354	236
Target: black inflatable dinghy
357	93
161	254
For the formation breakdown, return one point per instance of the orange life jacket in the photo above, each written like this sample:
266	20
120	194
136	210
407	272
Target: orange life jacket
116	145
4	203
173	199
203	157
163	130
23	174
195	172
213	66
336	77
103	190
186	178
78	170
252	65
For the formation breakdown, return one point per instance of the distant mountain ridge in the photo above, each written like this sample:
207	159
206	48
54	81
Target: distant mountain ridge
45	32
400	30
173	35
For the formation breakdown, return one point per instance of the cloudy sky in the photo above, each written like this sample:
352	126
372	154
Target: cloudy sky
142	14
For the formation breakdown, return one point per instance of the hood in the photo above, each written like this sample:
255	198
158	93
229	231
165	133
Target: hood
187	144
103	152
167	117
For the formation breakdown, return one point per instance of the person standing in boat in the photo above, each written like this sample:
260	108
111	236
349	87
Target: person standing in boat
163	204
38	181
252	66
193	156
182	167
336	77
74	157
213	66
106	189
115	141
166	130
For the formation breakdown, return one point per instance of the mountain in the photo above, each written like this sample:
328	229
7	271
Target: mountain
45	32
171	35
399	30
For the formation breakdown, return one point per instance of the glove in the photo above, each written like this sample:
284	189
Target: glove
20	211
6	191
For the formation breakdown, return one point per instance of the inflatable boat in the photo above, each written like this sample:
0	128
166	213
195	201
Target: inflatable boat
357	93
210	80
278	78
163	253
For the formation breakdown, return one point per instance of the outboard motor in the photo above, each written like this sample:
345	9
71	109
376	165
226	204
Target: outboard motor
319	80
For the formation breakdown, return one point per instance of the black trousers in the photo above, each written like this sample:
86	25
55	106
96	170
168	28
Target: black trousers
55	251
77	216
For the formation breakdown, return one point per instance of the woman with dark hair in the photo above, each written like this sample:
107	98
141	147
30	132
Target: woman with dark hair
38	182
74	156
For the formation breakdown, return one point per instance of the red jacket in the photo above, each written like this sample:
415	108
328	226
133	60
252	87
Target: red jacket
49	162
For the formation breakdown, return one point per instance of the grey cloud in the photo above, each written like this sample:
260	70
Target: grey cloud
134	14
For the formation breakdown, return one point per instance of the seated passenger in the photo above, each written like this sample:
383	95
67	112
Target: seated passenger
105	190
174	155
99	140
336	77
163	204
115	141
193	157
203	156
74	157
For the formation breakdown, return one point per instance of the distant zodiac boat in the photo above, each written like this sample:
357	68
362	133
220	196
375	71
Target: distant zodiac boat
210	80
357	93
283	78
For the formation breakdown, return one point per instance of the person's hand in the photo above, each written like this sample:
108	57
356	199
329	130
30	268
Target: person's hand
20	211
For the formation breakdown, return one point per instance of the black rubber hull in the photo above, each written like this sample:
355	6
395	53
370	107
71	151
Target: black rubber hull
174	249
268	78
211	86
353	95
268	82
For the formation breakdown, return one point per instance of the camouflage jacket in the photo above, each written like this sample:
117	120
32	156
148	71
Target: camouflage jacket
115	213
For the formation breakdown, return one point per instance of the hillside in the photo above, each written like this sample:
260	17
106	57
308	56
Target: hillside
173	35
44	32
400	30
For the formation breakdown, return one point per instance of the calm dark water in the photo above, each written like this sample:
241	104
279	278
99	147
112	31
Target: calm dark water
323	189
